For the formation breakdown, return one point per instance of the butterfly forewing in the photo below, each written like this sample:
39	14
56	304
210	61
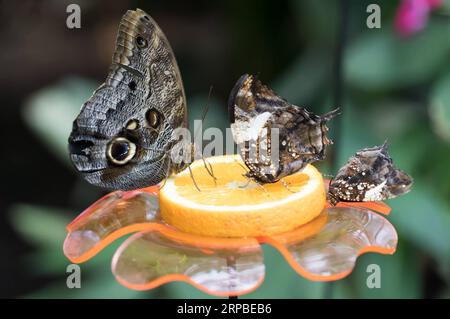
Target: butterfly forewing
369	175
275	137
123	135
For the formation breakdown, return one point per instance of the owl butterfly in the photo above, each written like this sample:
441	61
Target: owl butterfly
369	175
275	138
123	136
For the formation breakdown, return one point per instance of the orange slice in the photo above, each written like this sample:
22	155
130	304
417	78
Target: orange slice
234	206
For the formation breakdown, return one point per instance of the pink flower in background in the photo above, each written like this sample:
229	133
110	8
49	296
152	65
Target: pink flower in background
412	15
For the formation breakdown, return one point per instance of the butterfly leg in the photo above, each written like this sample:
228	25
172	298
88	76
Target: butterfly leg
243	167
207	165
251	178
246	184
209	169
193	179
262	186
286	185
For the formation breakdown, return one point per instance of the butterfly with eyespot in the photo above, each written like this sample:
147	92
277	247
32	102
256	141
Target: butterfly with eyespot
255	112
369	175
123	135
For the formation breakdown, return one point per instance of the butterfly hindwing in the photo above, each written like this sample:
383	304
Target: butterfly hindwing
369	175
275	137
124	132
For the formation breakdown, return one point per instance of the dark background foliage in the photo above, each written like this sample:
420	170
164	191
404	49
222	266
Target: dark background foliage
393	88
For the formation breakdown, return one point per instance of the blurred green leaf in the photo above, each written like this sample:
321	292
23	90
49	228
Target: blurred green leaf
382	61
400	274
403	148
102	286
424	219
41	226
45	228
404	115
51	111
300	83
52	261
445	6
313	24
440	107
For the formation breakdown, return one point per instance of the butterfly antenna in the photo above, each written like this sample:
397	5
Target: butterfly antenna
166	177
328	116
262	186
193	179
209	169
163	184
246	184
205	111
243	167
206	164
286	185
251	179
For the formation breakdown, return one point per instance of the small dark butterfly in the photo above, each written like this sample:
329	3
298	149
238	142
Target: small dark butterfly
369	175
255	113
124	133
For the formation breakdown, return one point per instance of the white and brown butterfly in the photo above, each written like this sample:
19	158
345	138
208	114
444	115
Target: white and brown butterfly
369	175
123	135
255	112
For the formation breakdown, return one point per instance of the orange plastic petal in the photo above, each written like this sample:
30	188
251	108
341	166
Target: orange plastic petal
331	253
299	234
220	267
379	207
113	216
376	206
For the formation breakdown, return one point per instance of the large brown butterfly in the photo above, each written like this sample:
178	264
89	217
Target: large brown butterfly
123	136
255	113
369	175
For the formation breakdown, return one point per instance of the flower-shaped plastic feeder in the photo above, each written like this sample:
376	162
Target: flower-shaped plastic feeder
322	249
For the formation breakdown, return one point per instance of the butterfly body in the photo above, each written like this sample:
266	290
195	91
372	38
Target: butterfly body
257	113
123	135
369	175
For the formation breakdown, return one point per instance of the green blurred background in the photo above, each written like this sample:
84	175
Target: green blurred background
393	88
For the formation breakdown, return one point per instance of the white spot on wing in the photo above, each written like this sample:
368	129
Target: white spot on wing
375	193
